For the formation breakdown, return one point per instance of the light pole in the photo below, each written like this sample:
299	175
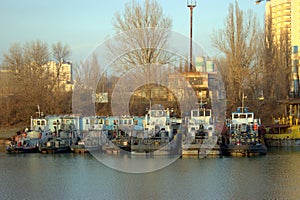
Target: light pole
259	1
191	4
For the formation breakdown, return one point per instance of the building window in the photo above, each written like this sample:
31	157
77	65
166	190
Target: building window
196	81
295	49
296	62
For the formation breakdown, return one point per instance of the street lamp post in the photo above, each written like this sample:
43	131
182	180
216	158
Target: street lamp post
191	4
259	1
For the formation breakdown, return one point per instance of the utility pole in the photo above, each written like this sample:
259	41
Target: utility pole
191	4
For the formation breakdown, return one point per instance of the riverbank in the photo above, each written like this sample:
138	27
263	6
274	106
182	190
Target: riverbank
8	132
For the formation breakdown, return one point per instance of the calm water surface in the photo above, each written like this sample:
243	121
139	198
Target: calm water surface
76	176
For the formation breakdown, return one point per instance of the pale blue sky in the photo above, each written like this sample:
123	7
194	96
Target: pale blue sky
85	24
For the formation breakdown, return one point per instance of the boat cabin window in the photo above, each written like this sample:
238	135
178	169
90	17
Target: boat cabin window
125	121
275	131
153	114
195	113
201	113
92	121
87	121
204	113
243	116
157	113
38	122
250	116
207	113
235	116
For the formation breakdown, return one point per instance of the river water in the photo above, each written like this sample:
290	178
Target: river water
81	176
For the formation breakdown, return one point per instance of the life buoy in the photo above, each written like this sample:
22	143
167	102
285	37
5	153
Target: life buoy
255	127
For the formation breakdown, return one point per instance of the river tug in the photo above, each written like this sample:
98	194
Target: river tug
29	140
157	132
200	139
243	137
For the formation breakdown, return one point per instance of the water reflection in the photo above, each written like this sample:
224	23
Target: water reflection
74	176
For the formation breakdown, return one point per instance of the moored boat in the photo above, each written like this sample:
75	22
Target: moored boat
158	134
200	138
29	140
285	130
61	141
94	135
157	122
282	135
242	137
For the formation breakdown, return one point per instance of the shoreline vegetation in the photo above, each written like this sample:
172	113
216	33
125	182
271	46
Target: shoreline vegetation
7	132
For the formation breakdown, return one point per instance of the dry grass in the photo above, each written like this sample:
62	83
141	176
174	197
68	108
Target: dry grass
8	132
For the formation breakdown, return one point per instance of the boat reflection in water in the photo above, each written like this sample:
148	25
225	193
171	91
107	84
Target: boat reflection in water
73	176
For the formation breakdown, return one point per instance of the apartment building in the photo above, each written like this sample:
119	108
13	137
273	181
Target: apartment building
285	16
63	73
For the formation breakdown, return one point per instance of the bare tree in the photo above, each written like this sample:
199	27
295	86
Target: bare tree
253	62
87	78
29	79
32	82
238	43
60	54
275	62
283	68
143	31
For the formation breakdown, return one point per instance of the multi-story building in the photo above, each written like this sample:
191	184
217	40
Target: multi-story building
204	80
204	64
285	15
63	74
280	12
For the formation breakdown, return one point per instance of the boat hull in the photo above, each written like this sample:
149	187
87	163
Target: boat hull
243	150
61	146
281	135
55	150
282	142
13	148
